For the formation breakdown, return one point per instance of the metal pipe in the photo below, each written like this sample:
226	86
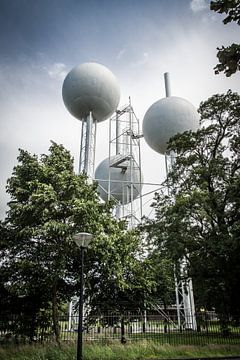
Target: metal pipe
117	133
167	84
80	315
109	157
131	160
140	172
82	149
88	143
94	145
177	298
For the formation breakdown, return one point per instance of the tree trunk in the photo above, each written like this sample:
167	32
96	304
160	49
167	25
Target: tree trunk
123	339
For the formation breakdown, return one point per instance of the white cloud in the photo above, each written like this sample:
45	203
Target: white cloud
198	5
57	71
121	53
143	60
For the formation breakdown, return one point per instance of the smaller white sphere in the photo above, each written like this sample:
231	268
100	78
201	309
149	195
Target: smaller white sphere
91	87
120	181
166	118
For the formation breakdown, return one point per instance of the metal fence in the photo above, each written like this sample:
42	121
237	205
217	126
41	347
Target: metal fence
123	328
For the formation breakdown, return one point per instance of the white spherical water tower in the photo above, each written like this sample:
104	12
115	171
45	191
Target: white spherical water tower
91	87
119	179
91	94
168	117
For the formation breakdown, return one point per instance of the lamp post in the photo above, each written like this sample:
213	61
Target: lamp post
82	240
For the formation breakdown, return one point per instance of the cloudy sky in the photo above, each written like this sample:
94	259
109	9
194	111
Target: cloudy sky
139	40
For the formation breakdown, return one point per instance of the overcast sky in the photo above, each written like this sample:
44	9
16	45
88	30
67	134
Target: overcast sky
138	40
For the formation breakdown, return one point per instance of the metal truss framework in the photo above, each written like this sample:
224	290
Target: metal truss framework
124	144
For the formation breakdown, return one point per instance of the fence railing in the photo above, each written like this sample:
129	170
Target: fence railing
123	327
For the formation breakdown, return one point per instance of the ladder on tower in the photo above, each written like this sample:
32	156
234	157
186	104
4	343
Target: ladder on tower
120	161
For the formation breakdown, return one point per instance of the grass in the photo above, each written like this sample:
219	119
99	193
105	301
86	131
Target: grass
115	351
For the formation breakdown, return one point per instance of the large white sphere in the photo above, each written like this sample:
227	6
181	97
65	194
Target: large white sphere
166	118
91	87
120	181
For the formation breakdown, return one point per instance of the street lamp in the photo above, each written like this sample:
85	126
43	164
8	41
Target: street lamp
82	240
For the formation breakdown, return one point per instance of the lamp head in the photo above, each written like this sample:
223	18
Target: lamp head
82	239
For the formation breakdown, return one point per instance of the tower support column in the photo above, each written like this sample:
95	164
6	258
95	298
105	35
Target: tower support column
87	146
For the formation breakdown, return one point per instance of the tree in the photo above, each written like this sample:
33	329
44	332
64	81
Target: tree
39	261
229	57
160	264
200	218
229	7
121	290
48	204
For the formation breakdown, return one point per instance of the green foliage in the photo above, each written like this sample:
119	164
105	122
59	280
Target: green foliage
229	7
200	218
229	57
119	277
39	261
